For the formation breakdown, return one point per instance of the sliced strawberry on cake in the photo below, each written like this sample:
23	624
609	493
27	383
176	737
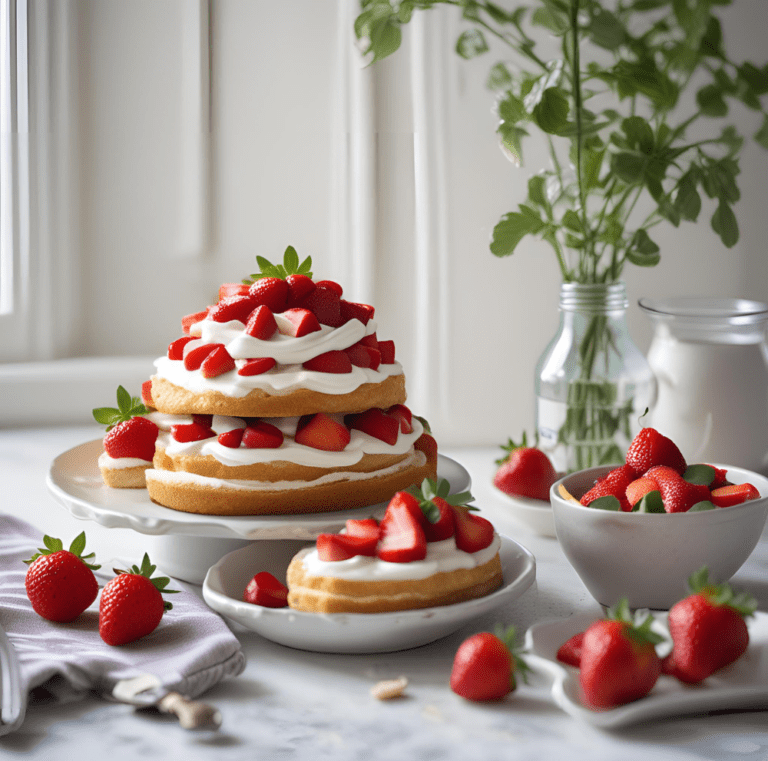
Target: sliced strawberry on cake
408	570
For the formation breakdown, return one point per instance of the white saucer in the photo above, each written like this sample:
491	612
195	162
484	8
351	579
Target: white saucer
743	684
353	632
75	481
534	514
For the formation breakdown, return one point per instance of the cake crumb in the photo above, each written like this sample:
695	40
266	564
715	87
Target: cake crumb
388	689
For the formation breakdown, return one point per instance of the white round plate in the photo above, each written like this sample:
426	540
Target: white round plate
75	481
354	632
743	684
534	514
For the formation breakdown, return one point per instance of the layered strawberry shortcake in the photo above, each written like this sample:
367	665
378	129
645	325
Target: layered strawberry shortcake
280	399
428	550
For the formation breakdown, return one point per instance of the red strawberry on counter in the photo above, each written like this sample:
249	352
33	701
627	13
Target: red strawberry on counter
485	666
60	583
132	604
618	660
708	629
650	448
525	471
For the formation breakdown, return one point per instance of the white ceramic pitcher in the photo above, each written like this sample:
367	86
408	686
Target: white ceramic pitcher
710	359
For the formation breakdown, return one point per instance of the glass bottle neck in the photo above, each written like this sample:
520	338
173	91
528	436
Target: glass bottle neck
594	298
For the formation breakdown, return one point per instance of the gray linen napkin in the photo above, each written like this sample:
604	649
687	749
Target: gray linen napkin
191	650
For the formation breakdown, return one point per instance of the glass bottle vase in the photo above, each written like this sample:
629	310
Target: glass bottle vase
592	384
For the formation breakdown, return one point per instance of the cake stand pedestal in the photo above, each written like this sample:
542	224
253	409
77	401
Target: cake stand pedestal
188	544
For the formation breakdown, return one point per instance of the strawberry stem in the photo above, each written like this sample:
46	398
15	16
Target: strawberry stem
159	582
53	545
721	595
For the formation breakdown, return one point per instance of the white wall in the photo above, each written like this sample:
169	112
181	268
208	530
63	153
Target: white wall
273	111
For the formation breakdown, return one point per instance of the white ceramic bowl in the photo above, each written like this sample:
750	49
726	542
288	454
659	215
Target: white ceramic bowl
648	557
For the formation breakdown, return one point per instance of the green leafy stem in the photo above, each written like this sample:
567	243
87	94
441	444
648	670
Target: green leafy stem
620	128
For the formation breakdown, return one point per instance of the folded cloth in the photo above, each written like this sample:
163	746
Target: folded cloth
191	650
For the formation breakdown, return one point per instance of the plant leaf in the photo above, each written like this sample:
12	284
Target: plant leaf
650	503
699	474
471	43
608	502
725	225
551	112
512	228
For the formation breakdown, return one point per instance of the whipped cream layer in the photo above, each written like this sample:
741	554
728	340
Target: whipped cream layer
441	557
360	443
281	379
415	459
284	349
288	351
121	463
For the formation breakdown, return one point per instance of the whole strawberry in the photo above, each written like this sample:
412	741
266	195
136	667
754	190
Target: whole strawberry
128	434
132	604
612	484
650	448
60	583
618	659
708	629
525	471
485	665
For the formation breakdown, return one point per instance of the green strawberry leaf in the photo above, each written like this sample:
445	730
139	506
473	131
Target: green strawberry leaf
127	407
650	503
699	474
638	628
53	545
721	594
608	502
699	507
291	266
508	636
511	446
430	489
147	568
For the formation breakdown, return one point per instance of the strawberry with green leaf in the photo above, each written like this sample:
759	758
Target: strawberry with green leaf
618	660
291	266
485	666
60	583
524	471
708	629
129	434
132	604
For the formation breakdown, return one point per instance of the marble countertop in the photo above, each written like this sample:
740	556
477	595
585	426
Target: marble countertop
291	703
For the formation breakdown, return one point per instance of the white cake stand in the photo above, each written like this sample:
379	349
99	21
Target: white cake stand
188	544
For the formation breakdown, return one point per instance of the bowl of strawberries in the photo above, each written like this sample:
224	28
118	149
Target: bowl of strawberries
639	530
